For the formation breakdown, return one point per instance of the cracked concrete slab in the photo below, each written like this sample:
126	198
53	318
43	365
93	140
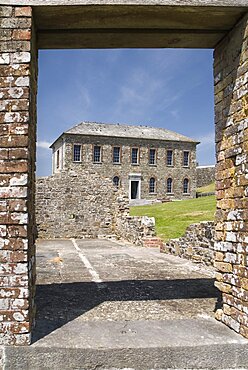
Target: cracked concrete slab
146	311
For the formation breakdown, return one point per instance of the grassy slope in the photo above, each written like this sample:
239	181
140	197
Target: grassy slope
173	218
207	189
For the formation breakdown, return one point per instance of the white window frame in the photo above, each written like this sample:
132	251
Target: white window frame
73	154
186	151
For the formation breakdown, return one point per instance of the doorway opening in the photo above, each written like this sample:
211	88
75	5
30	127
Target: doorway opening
135	189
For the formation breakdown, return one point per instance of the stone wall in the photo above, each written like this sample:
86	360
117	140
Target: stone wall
132	228
73	206
197	244
205	175
18	75
231	112
159	171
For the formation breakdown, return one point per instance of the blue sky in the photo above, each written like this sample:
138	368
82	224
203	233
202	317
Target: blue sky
170	88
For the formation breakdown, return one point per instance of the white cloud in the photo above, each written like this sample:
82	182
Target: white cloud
208	139
43	144
206	149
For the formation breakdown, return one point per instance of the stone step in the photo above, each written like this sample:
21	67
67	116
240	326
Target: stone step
170	344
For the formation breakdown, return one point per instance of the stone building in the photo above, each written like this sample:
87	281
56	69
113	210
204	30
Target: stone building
146	162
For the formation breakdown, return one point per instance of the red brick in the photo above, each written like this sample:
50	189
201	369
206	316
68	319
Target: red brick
14	281
14	293
13	192
18	153
4	154
3	205
21	34
14	105
22	70
15	244
13	315
23	11
14	166
4	179
13	93
17	231
14	141
17	205
13	218
14	327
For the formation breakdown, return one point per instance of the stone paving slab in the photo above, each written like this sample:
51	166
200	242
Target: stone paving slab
103	304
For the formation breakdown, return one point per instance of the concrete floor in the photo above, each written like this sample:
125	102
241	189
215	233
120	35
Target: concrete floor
108	305
95	280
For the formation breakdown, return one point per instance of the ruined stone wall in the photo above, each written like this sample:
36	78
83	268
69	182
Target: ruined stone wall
160	171
75	206
72	206
18	75
132	228
205	175
197	244
231	112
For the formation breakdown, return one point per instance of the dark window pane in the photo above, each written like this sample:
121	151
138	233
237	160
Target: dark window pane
152	185
135	155
169	157
185	158
57	160
97	153
185	186
116	181
169	185
77	153
152	156
116	154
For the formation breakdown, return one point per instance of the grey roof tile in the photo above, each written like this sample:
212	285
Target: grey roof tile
128	131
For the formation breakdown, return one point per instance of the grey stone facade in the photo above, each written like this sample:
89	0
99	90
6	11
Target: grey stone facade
205	175
87	135
69	205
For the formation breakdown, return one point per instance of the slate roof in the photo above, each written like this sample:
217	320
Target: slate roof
127	131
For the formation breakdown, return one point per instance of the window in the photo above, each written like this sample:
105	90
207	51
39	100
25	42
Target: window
77	153
169	185
116	181
97	153
169	158
152	156
116	154
135	153
152	185
57	159
186	159
185	186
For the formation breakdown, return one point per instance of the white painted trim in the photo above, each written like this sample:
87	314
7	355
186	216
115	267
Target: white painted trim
95	276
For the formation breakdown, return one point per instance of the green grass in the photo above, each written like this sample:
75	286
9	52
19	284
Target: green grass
173	218
207	189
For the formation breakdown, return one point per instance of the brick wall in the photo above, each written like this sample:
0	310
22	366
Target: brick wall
18	61
231	112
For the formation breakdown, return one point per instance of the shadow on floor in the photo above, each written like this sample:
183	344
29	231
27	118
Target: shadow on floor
57	304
